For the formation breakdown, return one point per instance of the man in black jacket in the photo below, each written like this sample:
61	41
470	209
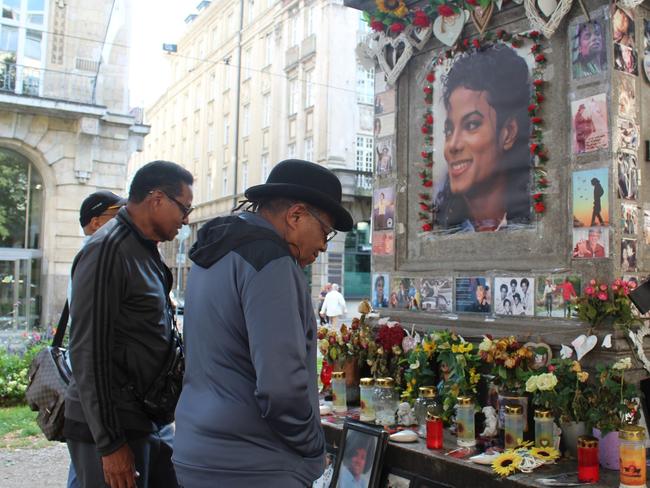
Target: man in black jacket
120	335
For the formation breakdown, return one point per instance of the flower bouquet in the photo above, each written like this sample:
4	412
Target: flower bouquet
509	359
601	301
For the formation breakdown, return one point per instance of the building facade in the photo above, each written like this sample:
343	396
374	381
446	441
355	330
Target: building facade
256	82
65	131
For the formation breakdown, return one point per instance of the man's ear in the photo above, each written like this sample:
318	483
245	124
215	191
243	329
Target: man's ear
509	133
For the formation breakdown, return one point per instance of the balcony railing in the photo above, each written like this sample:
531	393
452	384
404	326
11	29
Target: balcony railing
47	83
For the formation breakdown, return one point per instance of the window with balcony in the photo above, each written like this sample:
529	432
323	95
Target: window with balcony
365	85
266	110
293	96
309	88
268	49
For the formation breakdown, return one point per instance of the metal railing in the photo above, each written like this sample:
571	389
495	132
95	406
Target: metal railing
46	83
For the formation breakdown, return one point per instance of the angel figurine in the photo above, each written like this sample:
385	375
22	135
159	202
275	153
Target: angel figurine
490	422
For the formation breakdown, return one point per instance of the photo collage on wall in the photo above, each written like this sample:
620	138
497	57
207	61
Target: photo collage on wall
591	216
383	213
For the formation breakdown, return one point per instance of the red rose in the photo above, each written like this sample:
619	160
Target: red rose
536	120
533	148
500	33
428	90
396	27
538	82
421	19
535	48
429	119
540	98
540	58
427	184
424	206
425	129
543	182
466	42
537	196
445	11
532	107
476	44
427	227
377	26
424	154
431	77
539	207
534	34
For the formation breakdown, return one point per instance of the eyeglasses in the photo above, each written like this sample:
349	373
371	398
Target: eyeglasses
185	210
328	231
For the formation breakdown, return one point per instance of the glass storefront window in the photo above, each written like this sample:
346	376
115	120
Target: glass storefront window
357	262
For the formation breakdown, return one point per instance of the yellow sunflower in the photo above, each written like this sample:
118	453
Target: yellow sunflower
506	464
393	7
547	454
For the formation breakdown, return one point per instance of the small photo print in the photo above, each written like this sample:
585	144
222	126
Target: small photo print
384	155
404	294
554	295
380	290
630	218
473	295
591	197
514	296
625	55
628	255
590	243
436	294
383	212
589	52
383	243
626	135
628	175
626	97
589	124
646	225
385	102
646	48
625	59
384	125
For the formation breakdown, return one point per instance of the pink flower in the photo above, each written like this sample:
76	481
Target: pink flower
615	287
550	368
592	282
589	290
603	287
619	282
602	296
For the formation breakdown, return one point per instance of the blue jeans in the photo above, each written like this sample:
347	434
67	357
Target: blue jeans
73	482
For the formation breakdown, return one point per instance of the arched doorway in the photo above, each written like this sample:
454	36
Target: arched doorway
21	211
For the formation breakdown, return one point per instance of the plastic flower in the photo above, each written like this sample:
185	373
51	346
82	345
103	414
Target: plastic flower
531	384
506	464
546	381
415	365
621	364
393	7
547	454
582	376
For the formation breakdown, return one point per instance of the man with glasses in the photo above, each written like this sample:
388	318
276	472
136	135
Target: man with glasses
248	414
121	336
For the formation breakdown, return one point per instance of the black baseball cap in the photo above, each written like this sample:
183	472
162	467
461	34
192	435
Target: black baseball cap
97	203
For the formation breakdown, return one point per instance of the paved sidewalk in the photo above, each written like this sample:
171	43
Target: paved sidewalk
35	468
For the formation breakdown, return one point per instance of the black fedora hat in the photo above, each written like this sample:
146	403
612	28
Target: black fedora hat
308	182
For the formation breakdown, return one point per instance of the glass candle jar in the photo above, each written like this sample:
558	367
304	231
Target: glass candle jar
426	403
385	401
513	426
543	428
366	387
339	399
465	422
632	454
434	431
588	459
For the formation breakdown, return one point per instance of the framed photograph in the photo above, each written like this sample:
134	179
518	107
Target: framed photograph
383	243
396	478
436	294
628	175
646	48
590	197
514	296
554	295
625	55
628	255
630	218
358	464
590	243
589	51
590	126
473	295
380	289
383	211
626	97
384	155
405	294
385	102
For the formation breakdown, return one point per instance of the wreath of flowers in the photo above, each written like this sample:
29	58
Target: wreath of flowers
537	148
392	16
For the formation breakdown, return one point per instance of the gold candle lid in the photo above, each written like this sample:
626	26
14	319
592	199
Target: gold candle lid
464	400
387	382
338	375
428	391
543	414
431	416
587	441
366	381
632	433
513	409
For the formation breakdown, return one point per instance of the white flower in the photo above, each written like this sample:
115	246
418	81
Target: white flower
415	365
531	384
546	381
625	363
486	344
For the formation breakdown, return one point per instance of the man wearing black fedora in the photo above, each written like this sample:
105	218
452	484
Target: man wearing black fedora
248	415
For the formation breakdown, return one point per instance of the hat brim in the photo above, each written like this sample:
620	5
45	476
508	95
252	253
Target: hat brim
342	218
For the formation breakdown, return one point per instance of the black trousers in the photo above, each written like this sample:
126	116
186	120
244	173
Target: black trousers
152	455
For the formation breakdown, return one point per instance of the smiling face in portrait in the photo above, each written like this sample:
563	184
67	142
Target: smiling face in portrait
473	145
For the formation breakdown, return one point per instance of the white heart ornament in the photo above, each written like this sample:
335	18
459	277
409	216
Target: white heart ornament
449	29
418	36
547	7
404	436
607	341
566	352
583	344
550	23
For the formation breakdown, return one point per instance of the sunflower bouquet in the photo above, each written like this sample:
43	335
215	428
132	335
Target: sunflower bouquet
509	359
524	458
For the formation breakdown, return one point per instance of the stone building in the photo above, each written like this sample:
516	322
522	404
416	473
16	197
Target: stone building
258	82
65	131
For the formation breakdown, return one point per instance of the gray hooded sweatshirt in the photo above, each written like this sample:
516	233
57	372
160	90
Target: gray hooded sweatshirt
248	415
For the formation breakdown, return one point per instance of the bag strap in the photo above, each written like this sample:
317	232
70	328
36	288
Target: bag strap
65	314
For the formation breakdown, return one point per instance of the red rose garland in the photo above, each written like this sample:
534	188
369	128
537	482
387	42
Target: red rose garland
537	148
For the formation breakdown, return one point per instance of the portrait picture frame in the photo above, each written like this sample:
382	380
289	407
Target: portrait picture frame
360	443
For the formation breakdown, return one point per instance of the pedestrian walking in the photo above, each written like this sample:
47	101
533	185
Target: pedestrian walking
122	340
248	415
333	306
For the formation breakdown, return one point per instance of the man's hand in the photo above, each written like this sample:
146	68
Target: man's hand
119	468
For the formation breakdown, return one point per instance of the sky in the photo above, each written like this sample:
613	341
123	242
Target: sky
153	23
